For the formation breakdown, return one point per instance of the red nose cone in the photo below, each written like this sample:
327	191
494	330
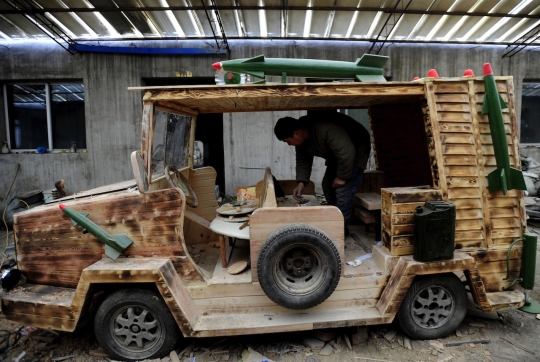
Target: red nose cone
415	78
217	65
432	73
487	69
61	206
468	73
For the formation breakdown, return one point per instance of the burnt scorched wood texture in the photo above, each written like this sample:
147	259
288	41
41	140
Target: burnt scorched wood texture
51	251
398	207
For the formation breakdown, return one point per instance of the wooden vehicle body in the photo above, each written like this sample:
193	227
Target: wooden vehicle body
429	132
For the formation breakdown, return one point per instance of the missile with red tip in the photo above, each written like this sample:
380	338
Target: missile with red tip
504	177
368	68
114	245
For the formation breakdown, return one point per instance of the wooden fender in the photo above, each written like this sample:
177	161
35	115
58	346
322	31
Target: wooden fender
405	271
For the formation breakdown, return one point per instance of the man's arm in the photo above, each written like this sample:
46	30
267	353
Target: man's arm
304	165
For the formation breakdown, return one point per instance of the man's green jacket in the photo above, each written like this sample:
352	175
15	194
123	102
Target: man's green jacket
336	137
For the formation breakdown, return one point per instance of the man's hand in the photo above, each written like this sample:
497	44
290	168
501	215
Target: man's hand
338	182
297	192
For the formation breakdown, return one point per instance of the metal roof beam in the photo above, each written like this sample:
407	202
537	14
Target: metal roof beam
43	23
269	7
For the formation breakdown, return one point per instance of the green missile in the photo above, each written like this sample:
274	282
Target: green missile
114	245
504	177
369	68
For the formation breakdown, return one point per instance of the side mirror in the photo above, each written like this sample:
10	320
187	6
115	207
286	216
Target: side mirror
198	154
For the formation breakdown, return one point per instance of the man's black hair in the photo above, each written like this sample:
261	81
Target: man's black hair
286	126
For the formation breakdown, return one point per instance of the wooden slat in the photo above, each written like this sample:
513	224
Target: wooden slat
203	181
452	107
449	87
455	128
451	97
463	193
371	200
457	160
461	170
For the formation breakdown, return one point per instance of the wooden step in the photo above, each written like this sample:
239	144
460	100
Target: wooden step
41	306
230	324
40	295
506	300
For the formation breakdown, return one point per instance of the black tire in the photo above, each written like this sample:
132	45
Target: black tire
117	322
298	267
434	307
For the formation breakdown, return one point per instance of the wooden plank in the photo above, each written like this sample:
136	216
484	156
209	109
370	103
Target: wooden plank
469	225
462	181
456	138
449	87
364	215
480	97
371	201
451	97
400	219
177	298
173	107
407	229
454	117
399	195
147	125
465	214
469	235
459	160
451	107
496	213
203	181
463	193
484	120
432	120
477	288
463	128
461	171
484	128
500	81
506	300
505	223
458	149
407	208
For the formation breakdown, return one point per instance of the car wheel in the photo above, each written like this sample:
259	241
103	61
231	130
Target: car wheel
434	306
298	267
135	324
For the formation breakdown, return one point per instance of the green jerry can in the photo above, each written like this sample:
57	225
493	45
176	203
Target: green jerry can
434	231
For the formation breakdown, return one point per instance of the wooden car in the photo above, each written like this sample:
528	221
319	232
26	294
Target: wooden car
172	282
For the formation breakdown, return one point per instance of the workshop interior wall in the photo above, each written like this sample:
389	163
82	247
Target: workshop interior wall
113	114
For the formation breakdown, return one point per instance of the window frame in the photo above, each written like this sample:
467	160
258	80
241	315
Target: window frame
520	120
48	105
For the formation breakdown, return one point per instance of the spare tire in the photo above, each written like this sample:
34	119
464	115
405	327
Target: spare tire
298	266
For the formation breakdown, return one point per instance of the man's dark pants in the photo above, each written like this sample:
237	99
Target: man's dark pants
343	196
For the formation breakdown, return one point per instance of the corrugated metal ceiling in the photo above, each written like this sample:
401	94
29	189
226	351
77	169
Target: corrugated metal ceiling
511	22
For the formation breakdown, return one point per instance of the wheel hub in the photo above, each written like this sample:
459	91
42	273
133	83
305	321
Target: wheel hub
299	270
298	264
433	307
135	328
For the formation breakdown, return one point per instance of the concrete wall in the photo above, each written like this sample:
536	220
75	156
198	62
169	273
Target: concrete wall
113	114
